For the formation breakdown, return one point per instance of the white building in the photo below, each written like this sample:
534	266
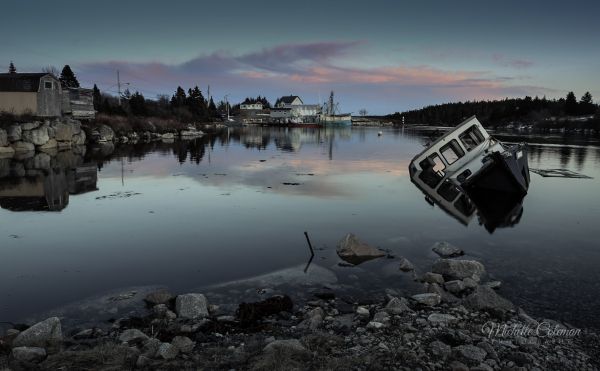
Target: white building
251	106
291	109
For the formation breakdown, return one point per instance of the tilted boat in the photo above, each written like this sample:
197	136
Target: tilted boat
467	170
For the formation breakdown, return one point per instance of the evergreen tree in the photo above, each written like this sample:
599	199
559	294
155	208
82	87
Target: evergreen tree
196	103
67	78
97	98
571	104
137	104
587	104
178	99
11	68
212	109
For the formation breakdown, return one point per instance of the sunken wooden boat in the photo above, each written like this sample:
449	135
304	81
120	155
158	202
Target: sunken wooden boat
467	169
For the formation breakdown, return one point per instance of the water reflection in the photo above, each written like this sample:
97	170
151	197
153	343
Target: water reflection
44	181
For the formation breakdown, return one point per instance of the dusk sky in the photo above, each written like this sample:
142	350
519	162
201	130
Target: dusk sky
384	56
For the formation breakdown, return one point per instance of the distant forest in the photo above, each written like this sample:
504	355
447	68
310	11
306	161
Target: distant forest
503	112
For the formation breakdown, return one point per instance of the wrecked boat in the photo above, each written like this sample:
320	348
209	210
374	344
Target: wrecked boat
467	170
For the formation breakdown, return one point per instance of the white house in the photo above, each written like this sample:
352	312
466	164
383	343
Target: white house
251	106
291	109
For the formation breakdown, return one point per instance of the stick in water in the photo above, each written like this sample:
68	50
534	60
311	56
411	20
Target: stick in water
312	252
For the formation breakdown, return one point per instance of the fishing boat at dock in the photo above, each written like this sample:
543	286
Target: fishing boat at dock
331	116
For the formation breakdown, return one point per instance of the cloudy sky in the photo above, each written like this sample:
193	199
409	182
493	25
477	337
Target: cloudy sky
384	56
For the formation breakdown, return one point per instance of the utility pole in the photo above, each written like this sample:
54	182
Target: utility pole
119	87
227	106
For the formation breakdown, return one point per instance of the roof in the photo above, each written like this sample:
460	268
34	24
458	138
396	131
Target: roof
288	99
21	82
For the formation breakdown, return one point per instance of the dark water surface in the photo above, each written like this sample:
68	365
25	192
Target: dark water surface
235	205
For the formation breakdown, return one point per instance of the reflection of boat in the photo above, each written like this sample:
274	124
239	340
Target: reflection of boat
467	170
331	118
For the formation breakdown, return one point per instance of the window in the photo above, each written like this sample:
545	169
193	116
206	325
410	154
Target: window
48	84
464	205
448	191
471	138
452	152
432	170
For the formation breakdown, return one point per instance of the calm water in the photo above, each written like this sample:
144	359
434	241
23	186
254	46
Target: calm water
235	205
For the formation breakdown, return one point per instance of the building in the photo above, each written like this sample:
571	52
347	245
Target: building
288	101
78	103
38	94
251	106
291	109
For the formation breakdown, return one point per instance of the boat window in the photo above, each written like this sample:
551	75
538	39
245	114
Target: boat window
432	170
464	205
452	152
448	191
471	138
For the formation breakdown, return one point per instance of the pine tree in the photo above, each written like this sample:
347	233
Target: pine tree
587	104
137	104
212	109
67	78
571	104
12	68
97	98
179	98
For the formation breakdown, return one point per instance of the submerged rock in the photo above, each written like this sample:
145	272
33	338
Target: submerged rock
354	251
158	297
47	333
406	265
458	269
191	306
447	250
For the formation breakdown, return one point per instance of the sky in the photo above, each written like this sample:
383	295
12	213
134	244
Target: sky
383	56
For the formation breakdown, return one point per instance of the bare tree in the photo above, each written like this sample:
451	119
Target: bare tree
363	112
51	69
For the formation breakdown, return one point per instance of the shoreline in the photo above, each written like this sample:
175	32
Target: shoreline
448	326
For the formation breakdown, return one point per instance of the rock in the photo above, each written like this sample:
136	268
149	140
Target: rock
78	139
251	312
23	146
406	265
495	285
441	318
429	299
363	312
183	344
455	286
168	136
375	325
486	299
314	320
354	251
469	283
158	297
397	306
470	354
133	336
63	131
439	349
47	333
14	133
167	351
446	250
6	151
29	354
3	138
431	277
382	317
106	133
458	269
191	132
37	136
51	143
458	366
191	306
30	125
290	345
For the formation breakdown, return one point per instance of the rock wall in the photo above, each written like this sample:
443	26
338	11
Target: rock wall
39	136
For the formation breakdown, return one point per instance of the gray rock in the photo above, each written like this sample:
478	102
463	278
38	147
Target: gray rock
406	265
183	343
168	136
167	351
429	299
30	125
37	136
494	284
14	133
47	333
469	283
133	336
314	319
23	146
363	312
470	354
458	366
455	286
431	277
51	143
29	354
397	306
161	296
3	138
486	299
191	306
441	318
382	317
458	269
354	251
63	131
290	345
6	151
106	134
78	139
439	349
446	250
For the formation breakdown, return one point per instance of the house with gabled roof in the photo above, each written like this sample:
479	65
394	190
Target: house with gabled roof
38	94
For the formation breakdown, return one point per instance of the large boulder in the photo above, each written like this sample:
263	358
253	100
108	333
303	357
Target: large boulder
3	138
79	139
29	354
50	144
191	306
161	296
106	133
37	136
47	333
30	125
14	133
486	299
458	269
6	151
354	251
63	131
23	146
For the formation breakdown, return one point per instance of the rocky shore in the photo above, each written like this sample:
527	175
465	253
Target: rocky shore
457	322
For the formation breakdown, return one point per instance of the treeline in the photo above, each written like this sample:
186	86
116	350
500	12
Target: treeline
190	106
501	112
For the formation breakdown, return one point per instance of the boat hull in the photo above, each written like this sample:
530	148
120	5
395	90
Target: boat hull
336	120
